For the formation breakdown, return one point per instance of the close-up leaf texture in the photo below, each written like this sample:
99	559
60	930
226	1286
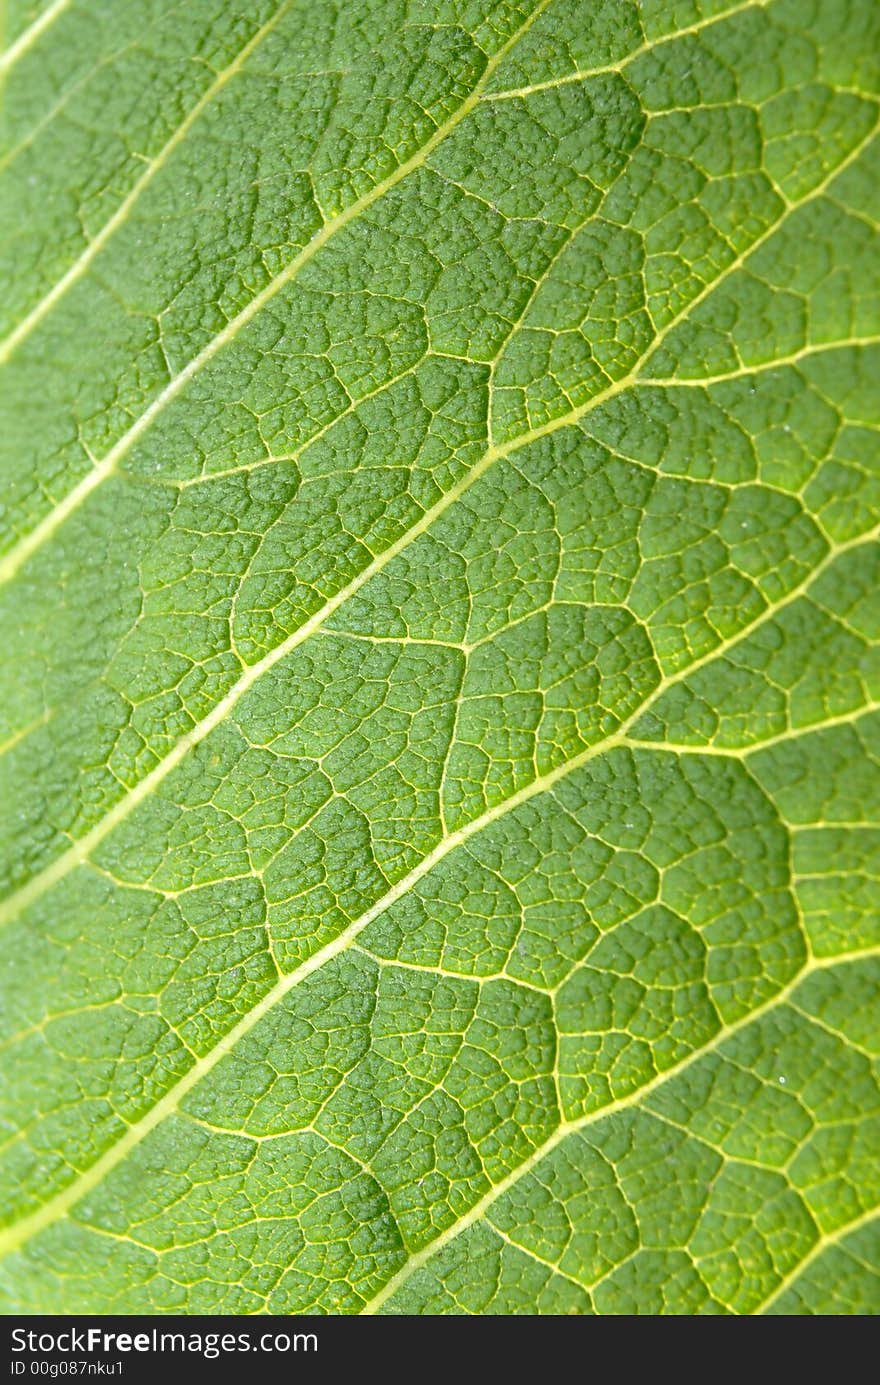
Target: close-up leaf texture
439	610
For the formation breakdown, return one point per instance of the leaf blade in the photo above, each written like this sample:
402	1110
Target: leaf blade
326	699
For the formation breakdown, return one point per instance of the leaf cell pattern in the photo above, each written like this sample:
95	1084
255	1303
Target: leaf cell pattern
441	694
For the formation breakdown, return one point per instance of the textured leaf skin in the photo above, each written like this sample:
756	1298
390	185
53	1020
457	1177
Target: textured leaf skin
439	612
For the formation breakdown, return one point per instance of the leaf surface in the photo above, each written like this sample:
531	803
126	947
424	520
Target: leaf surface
440	698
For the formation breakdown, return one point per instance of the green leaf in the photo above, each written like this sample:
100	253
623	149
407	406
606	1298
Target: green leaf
440	684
